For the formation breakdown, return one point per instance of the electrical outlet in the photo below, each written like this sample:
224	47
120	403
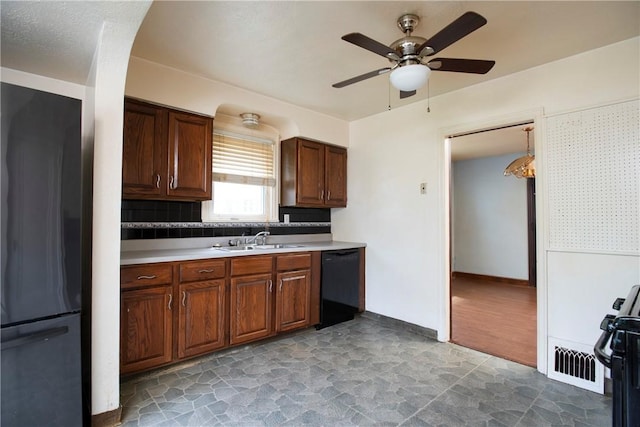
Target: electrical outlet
423	188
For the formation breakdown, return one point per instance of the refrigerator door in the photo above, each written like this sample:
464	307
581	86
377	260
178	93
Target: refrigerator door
41	378
41	204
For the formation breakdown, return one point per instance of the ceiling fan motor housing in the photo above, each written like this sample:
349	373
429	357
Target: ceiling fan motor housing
407	45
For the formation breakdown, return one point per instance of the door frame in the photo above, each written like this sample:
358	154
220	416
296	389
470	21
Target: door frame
536	116
531	231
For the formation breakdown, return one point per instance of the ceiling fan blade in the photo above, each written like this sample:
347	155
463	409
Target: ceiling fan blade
464	25
474	66
371	45
405	94
361	77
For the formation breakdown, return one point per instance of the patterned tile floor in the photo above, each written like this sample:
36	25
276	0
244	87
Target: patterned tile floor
363	372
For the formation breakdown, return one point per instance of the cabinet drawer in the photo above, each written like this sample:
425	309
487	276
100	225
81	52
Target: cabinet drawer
293	261
251	265
137	276
202	270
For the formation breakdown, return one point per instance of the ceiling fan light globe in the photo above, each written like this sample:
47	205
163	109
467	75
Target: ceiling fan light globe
410	77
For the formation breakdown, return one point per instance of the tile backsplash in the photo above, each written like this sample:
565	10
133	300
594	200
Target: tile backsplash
151	219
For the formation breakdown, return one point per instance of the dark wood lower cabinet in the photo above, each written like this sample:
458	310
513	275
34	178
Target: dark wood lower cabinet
250	314
293	300
145	325
201	320
176	310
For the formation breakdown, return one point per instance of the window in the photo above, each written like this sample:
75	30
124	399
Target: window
244	183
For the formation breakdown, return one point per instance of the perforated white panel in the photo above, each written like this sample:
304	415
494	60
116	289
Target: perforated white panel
593	178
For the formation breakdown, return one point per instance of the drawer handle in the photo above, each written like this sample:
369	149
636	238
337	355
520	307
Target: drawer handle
153	276
293	278
206	271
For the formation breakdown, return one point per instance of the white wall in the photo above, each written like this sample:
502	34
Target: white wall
406	233
489	218
168	86
110	68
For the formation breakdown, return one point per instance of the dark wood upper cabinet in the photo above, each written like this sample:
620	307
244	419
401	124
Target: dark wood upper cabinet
143	155
313	174
335	177
189	156
166	154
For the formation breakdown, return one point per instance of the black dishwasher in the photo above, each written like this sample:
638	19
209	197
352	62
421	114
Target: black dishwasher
339	289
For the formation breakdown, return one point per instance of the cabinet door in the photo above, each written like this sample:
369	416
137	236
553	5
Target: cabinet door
310	170
335	177
293	300
251	307
201	323
143	151
189	156
145	328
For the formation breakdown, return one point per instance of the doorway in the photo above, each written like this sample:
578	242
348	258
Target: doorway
493	304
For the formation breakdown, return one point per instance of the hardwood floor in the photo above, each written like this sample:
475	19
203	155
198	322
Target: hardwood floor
494	318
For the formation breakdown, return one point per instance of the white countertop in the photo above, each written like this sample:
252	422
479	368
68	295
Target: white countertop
165	255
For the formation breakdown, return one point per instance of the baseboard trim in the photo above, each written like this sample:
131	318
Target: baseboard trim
486	278
418	330
107	419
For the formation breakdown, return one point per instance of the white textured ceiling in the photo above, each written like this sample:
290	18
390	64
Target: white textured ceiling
56	39
292	50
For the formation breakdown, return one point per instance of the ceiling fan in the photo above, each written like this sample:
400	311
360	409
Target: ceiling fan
409	53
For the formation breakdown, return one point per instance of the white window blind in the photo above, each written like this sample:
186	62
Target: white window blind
243	159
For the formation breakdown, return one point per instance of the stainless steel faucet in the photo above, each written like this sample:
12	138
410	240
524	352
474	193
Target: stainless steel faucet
259	239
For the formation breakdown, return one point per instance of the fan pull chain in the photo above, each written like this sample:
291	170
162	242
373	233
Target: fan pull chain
389	94
428	97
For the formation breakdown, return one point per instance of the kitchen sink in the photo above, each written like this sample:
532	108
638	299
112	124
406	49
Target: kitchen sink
276	246
243	248
235	248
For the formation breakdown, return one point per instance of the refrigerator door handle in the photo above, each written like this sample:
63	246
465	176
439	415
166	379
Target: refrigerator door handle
34	337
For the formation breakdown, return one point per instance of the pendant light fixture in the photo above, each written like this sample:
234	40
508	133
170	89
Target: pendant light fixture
525	166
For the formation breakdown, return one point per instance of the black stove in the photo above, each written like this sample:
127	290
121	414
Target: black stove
623	333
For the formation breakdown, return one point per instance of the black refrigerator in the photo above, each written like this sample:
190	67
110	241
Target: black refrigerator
41	220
